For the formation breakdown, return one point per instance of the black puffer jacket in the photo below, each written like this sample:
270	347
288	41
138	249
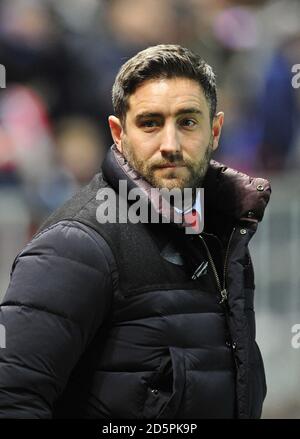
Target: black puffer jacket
105	320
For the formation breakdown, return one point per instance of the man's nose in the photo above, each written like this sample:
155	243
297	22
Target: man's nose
170	142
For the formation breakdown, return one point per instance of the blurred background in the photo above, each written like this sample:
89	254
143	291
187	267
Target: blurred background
61	57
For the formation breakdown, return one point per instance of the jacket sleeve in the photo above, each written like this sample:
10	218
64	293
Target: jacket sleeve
59	293
257	378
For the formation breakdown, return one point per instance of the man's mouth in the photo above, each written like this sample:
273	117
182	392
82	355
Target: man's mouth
171	165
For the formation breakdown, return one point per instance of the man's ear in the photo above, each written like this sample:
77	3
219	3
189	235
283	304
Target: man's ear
116	131
217	128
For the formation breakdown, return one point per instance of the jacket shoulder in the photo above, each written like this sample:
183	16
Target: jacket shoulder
60	263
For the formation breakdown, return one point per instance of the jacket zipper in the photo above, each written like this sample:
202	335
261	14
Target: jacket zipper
222	288
223	291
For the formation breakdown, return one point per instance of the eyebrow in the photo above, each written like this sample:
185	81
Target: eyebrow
178	113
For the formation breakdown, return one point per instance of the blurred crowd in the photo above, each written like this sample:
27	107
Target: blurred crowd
61	57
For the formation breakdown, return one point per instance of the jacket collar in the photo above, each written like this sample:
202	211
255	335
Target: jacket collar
226	191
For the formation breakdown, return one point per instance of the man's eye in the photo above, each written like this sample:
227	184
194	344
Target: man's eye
149	123
188	123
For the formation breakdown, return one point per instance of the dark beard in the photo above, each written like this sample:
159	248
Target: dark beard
196	172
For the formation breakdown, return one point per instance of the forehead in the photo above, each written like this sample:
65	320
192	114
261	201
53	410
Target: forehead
167	95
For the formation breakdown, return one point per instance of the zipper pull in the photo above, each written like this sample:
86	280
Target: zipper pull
201	269
224	295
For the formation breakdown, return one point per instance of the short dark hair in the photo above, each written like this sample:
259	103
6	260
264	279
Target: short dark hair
162	61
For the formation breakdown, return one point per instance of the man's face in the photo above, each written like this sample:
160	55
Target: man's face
168	136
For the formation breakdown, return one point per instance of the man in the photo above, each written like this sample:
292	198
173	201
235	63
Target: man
125	319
